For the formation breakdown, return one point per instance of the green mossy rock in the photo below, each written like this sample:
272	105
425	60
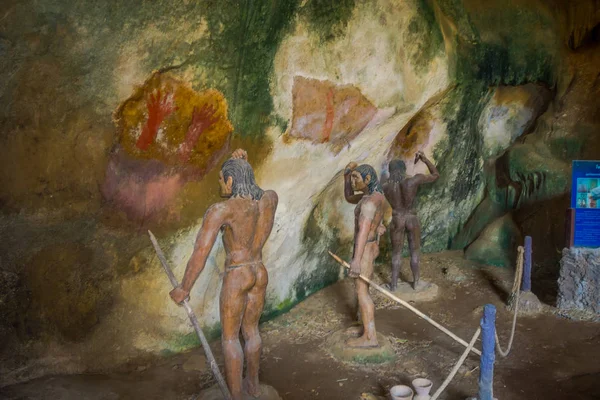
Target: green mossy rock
497	243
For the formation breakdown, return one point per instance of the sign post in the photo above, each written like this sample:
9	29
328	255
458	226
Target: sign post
583	224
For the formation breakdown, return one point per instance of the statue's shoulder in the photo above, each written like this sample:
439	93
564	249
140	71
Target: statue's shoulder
218	208
379	197
270	196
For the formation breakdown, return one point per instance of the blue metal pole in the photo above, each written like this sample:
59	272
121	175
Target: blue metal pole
526	285
486	366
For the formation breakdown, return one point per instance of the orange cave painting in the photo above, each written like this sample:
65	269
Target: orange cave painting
327	113
168	134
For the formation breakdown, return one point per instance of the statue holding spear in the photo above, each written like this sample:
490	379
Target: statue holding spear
361	187
246	220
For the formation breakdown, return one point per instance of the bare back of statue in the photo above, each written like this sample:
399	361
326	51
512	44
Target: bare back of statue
244	240
401	194
246	220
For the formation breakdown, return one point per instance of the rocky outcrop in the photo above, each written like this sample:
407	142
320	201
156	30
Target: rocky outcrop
497	244
510	113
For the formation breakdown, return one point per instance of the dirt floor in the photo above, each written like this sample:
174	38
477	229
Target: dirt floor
553	356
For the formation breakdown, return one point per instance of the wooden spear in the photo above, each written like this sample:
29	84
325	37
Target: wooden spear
405	304
209	355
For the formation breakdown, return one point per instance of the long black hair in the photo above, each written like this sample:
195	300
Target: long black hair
242	175
366	169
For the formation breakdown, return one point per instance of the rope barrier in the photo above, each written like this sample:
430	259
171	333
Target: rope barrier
514	295
460	362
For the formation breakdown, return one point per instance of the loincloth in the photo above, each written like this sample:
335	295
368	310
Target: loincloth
241	265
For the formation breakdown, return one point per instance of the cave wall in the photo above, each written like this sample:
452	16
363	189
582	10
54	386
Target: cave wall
114	119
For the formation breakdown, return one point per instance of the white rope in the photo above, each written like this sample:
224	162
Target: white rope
515	293
460	362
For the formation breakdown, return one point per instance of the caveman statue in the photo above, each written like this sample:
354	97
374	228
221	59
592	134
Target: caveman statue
368	215
246	220
400	191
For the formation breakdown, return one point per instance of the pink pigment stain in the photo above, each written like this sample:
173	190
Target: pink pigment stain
185	150
141	189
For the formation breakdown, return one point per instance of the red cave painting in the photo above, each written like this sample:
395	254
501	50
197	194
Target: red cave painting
201	120
158	109
328	116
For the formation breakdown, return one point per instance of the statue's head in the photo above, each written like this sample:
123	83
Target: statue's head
364	179
236	179
397	169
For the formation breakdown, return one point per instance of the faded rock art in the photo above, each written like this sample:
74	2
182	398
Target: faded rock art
168	135
326	113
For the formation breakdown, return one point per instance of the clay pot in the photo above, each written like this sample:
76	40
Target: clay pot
401	392
422	387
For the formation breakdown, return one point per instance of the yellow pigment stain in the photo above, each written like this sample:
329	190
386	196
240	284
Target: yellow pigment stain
154	123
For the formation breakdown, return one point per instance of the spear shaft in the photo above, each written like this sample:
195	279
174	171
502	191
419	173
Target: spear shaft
209	355
405	304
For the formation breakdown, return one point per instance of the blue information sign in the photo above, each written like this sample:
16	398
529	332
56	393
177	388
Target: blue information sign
585	201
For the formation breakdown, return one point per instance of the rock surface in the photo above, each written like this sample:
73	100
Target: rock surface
497	243
326	113
579	281
510	113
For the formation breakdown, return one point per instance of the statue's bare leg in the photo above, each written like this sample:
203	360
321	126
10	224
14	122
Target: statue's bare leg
236	284
253	346
397	238
365	303
414	244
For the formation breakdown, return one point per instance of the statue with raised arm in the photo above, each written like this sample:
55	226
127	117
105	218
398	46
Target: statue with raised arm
368	216
246	220
401	191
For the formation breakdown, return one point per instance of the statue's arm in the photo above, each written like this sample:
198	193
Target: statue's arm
433	172
367	213
212	222
272	200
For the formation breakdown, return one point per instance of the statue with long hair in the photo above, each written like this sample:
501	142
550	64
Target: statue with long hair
246	220
361	187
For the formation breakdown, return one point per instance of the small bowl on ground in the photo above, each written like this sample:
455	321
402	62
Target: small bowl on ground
401	392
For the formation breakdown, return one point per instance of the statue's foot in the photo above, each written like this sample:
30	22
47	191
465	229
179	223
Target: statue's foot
420	285
252	387
363	342
355	331
389	287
